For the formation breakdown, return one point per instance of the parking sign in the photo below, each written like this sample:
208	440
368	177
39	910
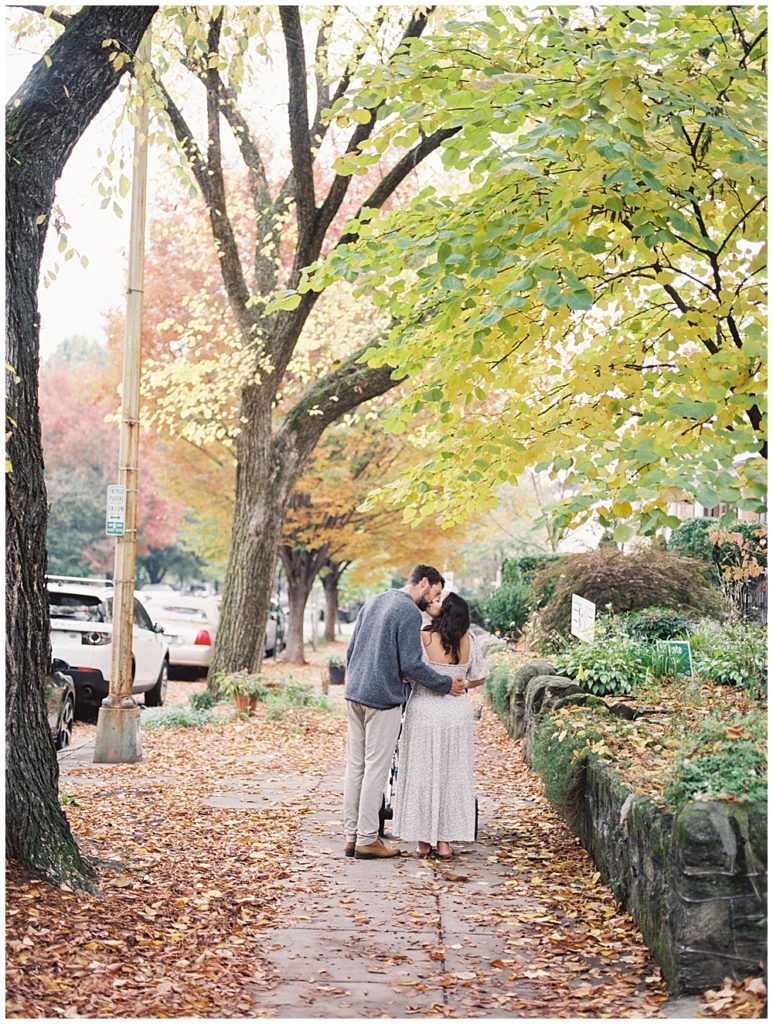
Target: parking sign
115	521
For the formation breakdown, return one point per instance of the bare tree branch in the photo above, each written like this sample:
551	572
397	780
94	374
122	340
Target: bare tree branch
400	172
60	19
298	114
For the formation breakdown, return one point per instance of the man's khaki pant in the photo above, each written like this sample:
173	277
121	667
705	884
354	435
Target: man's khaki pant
370	743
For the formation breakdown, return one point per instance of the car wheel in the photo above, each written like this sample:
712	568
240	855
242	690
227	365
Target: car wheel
155	698
64	724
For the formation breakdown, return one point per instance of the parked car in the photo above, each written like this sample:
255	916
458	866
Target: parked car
60	703
82	635
190	624
275	629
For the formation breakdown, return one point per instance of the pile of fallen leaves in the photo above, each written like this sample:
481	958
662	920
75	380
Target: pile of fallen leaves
737	999
186	882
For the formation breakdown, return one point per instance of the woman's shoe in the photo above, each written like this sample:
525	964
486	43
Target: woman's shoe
423	853
445	856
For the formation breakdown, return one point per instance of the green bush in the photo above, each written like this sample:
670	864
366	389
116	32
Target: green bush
506	609
525	567
691	539
649	576
559	756
735	655
612	663
656	624
175	718
724	760
203	701
495	689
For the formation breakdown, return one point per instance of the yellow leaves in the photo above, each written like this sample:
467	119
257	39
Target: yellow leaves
40	219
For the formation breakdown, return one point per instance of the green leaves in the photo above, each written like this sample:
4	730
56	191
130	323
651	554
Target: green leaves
570	289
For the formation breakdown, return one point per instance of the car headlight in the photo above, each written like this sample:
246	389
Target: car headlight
96	639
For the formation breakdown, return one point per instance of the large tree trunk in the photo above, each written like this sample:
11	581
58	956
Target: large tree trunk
298	591
44	120
301	567
330	581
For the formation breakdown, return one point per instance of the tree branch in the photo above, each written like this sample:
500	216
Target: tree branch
60	19
326	401
399	173
298	114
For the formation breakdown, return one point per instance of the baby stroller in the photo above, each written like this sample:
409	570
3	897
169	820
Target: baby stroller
386	812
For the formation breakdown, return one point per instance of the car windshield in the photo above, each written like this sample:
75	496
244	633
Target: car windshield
81	607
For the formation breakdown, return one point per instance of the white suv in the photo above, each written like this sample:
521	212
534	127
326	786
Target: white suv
82	635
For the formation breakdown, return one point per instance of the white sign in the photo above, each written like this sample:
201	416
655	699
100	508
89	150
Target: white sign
583	618
115	522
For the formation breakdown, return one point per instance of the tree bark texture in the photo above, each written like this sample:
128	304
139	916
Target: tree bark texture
301	567
44	120
330	581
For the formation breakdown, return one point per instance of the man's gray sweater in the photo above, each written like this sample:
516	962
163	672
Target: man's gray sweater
386	646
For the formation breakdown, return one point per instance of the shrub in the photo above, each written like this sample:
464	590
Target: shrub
203	701
495	688
336	661
242	683
647	577
734	655
612	663
525	567
691	539
175	718
559	756
506	609
656	624
724	760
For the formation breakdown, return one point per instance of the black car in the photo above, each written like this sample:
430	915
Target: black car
60	703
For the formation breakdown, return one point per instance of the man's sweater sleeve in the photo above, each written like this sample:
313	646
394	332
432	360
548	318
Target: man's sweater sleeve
350	648
411	662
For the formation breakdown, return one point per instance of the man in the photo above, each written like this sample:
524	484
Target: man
384	649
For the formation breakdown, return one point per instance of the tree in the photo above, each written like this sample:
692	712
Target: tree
592	302
78	406
44	120
291	219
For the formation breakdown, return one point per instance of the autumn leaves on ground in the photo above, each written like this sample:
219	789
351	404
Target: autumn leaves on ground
192	887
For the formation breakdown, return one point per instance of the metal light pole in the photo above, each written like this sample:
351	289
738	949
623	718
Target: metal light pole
118	726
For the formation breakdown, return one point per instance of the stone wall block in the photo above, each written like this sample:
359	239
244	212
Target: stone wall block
517	693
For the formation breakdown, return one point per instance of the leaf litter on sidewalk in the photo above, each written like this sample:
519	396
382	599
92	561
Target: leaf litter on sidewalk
192	894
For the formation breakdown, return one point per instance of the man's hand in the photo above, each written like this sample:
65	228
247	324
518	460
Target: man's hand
457	686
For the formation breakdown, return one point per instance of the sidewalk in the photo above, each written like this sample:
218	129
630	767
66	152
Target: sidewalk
516	926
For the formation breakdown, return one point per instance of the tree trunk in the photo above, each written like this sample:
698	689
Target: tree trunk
44	120
331	607
330	581
262	494
298	591
301	567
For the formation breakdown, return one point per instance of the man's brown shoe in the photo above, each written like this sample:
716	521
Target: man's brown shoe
349	850
375	851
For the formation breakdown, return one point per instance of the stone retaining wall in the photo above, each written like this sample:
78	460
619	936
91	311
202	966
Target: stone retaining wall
694	883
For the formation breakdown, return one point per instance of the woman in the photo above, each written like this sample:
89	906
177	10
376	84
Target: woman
435	798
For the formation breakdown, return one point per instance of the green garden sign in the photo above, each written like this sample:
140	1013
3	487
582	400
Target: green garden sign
681	651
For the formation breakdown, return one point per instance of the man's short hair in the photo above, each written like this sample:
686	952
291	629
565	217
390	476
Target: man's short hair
420	572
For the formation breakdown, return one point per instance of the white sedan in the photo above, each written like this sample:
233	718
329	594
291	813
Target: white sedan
190	624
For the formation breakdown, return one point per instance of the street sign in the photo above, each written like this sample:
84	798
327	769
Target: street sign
681	650
583	618
115	522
